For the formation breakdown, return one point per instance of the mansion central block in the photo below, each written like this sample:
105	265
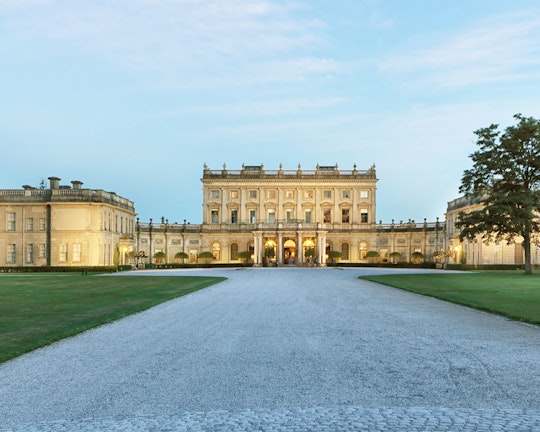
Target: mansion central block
290	212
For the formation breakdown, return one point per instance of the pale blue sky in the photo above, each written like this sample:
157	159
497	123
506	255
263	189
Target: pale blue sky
134	96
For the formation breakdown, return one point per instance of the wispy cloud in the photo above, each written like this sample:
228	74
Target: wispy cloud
181	37
504	48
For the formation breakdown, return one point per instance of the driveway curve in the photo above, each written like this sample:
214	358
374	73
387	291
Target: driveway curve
274	349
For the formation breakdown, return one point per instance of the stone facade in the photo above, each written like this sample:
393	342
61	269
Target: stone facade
478	252
295	217
275	217
64	226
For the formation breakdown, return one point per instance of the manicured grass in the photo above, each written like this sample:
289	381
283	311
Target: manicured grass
508	293
38	309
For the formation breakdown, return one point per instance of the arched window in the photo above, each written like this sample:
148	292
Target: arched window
345	251
216	251
363	250
234	251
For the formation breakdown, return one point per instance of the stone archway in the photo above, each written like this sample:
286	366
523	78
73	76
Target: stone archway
289	251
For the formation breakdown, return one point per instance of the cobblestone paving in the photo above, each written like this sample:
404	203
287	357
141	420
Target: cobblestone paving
307	419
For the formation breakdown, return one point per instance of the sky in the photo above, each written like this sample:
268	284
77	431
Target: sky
135	96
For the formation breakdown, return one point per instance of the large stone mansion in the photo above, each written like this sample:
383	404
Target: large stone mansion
283	217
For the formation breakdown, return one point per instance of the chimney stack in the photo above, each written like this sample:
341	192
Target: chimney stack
76	184
55	182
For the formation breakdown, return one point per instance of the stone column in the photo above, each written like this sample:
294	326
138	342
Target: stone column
279	256
299	250
321	247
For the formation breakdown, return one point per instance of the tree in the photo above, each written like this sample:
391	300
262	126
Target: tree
160	257
206	256
394	257
334	256
417	257
372	255
244	255
505	179
181	255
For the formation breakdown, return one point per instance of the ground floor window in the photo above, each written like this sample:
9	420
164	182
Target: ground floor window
345	251
234	251
11	253
216	251
63	256
30	253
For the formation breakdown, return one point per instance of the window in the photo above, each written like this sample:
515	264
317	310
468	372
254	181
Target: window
214	216
252	194
289	194
346	194
345	216
327	215
308	194
271	194
234	194
42	224
64	253
234	216
252	216
345	251
77	252
363	216
234	251
30	224
327	194
30	253
307	216
11	221
271	216
363	250
11	253
364	194
289	215
214	194
216	251
42	251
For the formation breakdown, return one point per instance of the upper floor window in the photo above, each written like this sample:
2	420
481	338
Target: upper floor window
289	194
327	194
30	224
308	194
327	215
234	194
271	216
346	194
214	216
11	221
234	216
289	215
214	194
345	215
307	216
271	194
363	216
42	224
252	194
252	216
364	194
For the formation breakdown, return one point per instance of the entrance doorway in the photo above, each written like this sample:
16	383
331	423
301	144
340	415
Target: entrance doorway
289	252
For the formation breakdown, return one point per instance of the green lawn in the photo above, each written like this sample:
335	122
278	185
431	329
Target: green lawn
508	293
38	309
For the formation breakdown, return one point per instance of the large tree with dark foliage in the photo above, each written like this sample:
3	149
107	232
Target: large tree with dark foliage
505	178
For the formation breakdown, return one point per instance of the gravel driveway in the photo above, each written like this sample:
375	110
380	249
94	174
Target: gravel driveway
274	349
